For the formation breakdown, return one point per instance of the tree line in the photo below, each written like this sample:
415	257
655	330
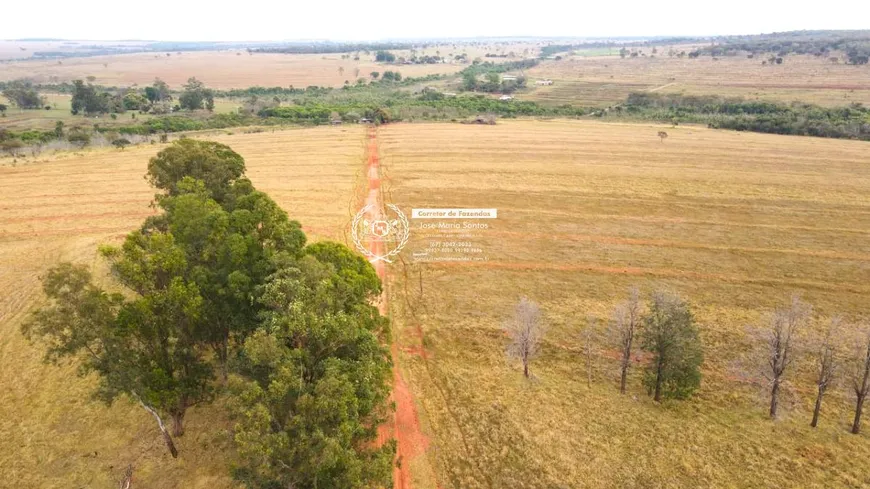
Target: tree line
219	297
89	99
854	44
665	333
850	122
24	94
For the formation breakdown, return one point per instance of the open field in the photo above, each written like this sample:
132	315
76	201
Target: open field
51	436
20	120
10	50
606	80
217	69
734	222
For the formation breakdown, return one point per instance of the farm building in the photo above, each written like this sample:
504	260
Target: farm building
509	78
505	97
544	82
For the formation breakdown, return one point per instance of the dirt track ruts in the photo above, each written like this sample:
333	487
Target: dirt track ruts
405	425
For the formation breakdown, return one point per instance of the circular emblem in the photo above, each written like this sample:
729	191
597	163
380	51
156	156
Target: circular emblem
385	235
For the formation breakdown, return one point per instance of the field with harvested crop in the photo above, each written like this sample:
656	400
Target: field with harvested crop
605	80
217	69
734	222
18	49
62	208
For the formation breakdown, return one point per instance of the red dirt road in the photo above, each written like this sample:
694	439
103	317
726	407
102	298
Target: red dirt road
405	425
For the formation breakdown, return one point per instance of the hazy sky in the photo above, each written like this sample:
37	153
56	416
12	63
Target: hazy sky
252	20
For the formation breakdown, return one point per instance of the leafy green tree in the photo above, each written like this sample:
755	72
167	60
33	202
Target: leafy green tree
670	336
23	94
58	129
392	76
215	164
195	96
86	99
3	108
158	92
134	101
231	234
374	75
223	276
151	94
231	250
143	347
469	81
121	143
316	379
385	57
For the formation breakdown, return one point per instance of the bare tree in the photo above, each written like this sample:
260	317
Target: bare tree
860	376
166	437
827	364
588	337
780	341
623	326
525	331
127	481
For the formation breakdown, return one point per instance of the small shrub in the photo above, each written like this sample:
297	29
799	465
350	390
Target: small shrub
79	139
121	143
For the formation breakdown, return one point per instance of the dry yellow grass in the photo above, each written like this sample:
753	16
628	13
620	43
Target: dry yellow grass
217	69
51	434
732	221
607	79
25	49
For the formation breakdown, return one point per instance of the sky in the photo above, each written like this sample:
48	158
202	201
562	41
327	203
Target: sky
267	20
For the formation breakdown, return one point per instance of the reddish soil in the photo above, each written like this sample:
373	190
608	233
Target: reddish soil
405	425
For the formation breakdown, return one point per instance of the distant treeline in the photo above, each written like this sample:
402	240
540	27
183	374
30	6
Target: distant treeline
855	44
429	105
332	47
851	122
182	123
552	49
485	67
563	48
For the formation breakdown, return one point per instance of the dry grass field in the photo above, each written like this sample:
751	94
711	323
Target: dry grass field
604	80
51	435
217	69
734	222
11	50
22	120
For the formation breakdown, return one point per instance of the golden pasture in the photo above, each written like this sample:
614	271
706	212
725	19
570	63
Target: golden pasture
604	80
51	434
10	50
217	69
734	222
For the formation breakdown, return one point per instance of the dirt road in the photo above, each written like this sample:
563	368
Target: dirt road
405	425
